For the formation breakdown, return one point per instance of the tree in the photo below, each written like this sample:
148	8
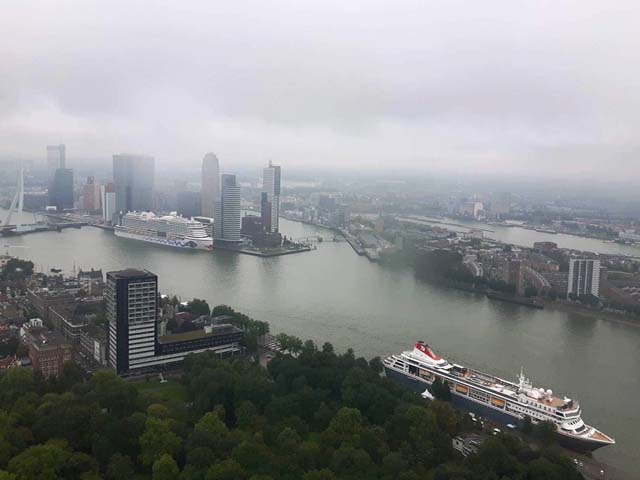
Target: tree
441	390
157	440
324	474
327	348
527	425
545	431
198	307
165	468
16	269
345	426
227	470
40	462
120	467
376	364
289	343
445	416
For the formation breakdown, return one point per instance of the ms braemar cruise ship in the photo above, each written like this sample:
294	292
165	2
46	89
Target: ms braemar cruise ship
170	230
493	397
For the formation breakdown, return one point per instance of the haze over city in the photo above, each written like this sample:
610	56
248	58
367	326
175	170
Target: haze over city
503	88
319	240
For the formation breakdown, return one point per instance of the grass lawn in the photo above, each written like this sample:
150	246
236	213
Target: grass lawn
168	391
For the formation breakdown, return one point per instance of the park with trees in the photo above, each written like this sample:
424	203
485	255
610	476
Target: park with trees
313	414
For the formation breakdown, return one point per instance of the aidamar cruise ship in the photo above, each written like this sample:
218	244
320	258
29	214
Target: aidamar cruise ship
169	230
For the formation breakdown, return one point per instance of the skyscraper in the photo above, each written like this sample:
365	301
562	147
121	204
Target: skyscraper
132	309
61	189
108	195
584	277
56	158
133	177
188	203
227	211
91	195
271	186
210	184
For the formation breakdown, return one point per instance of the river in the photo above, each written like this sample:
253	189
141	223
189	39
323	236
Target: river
331	294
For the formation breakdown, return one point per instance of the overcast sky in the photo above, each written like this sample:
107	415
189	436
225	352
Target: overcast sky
453	86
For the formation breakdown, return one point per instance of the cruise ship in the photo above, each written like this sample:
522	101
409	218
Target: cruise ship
170	230
493	397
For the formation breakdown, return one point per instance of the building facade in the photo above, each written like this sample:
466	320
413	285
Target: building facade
61	190
131	298
271	188
56	158
227	212
188	203
584	277
48	353
91	198
108	194
210	185
133	180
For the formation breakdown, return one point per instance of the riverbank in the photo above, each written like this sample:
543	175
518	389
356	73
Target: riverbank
567	307
557	305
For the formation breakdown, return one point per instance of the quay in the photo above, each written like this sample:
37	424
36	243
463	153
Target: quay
264	254
11	230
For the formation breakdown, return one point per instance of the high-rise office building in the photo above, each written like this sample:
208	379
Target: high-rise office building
61	189
501	203
135	346
227	211
210	184
108	194
133	177
271	187
584	277
91	195
56	158
131	298
188	203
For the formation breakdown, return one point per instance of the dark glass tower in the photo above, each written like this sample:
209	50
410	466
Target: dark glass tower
133	177
131	298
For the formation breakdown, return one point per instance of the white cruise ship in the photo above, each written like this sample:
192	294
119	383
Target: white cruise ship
493	397
170	230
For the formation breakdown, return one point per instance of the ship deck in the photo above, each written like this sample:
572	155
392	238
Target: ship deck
601	437
498	385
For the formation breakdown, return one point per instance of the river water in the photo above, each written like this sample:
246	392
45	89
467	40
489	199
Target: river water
331	294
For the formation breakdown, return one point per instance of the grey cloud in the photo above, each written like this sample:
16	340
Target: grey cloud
497	86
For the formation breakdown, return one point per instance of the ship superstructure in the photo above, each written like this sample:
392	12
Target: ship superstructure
170	230
495	397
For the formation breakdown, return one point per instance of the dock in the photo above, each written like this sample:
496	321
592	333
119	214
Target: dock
14	230
263	254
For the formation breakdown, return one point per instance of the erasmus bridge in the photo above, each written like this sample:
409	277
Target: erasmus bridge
16	209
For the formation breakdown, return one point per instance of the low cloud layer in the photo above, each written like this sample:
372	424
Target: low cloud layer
451	86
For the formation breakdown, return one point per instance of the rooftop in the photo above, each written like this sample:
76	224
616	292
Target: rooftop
130	273
42	340
196	334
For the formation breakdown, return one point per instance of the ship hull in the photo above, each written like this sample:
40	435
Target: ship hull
187	243
464	403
